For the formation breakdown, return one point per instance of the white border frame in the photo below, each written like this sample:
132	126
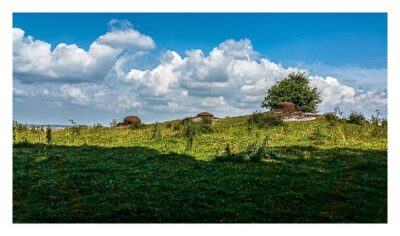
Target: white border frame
8	7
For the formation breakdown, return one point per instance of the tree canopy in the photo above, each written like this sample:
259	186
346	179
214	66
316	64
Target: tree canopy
294	88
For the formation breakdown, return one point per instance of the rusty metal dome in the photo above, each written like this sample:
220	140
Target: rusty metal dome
205	114
132	120
286	106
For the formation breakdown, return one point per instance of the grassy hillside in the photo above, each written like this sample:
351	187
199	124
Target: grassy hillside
312	171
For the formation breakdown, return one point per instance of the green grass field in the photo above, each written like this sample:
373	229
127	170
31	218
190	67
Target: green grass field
318	173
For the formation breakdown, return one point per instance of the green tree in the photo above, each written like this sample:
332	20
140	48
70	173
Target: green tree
294	88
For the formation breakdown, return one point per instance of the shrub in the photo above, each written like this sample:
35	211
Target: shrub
257	152
384	123
206	120
332	118
49	136
156	132
296	89
255	119
97	126
189	130
356	118
264	120
273	119
186	120
175	126
135	126
206	125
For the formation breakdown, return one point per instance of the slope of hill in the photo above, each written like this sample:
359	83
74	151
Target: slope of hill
313	171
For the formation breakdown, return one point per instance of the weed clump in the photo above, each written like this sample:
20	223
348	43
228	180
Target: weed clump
19	128
75	129
189	130
319	135
14	131
134	126
97	126
273	119
255	152
205	125
255	119
49	136
156	132
332	118
264	120
113	123
356	118
379	125
174	126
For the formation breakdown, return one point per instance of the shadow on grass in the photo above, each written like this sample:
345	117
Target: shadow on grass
139	184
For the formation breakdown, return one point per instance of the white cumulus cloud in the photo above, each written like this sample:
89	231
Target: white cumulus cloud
233	76
36	60
74	93
232	79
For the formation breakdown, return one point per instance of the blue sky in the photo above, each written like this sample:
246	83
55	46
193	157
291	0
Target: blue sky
336	39
344	51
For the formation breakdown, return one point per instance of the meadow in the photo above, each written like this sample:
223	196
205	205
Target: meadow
299	172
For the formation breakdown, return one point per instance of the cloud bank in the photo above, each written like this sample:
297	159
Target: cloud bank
36	60
231	79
